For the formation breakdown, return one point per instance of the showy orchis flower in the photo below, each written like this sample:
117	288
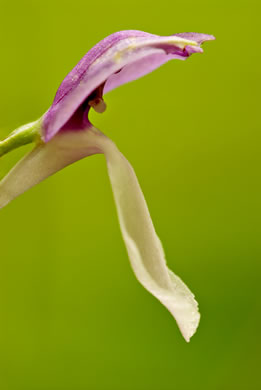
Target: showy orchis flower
64	135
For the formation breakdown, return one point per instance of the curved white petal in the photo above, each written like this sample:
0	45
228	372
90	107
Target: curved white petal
143	245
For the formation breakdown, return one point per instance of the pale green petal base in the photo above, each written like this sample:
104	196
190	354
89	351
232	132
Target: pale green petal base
45	160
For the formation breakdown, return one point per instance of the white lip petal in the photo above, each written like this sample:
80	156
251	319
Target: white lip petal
143	245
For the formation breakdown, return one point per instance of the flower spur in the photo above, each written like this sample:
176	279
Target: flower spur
64	135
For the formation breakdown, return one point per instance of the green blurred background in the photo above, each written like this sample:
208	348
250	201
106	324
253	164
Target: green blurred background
73	316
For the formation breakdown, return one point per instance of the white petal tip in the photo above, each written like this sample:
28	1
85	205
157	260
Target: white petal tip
189	329
183	306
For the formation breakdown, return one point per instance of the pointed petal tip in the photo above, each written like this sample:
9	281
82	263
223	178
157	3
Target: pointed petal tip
196	37
182	305
206	37
191	328
211	38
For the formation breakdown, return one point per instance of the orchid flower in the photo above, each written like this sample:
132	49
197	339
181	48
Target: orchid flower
64	135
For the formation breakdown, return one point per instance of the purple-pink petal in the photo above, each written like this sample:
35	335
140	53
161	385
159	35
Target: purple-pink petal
118	59
199	38
100	48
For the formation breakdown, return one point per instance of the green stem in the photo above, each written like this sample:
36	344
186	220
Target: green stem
23	135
